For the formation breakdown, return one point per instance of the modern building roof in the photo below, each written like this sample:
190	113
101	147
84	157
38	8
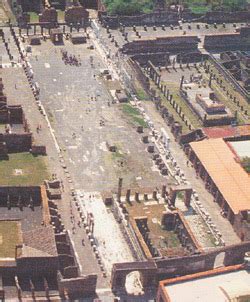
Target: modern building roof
217	285
242	148
230	178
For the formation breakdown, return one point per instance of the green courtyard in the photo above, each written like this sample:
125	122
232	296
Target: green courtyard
23	169
9	238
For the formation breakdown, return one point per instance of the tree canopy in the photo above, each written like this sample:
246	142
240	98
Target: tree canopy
129	7
134	7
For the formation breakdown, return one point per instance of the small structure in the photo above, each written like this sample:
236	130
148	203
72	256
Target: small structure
56	35
111	147
121	96
77	38
35	40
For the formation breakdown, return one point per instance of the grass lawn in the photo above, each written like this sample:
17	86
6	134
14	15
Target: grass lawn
141	94
23	169
199	9
33	17
9	238
60	15
134	115
2	128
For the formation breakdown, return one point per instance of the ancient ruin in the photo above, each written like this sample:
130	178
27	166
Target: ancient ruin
124	150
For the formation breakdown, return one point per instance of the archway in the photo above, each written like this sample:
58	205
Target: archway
133	283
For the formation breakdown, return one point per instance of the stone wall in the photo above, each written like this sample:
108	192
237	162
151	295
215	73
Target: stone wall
242	226
48	15
171	17
158	58
76	14
89	4
17	142
161	44
82	286
37	266
24	192
168	268
136	70
11	115
180	266
220	17
29	6
161	17
38	150
192	136
238	40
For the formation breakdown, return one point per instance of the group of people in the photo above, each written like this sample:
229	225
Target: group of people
70	59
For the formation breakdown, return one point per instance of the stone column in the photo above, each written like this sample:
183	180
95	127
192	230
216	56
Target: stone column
136	196
163	192
182	80
187	199
164	90
210	80
128	195
173	194
119	189
155	195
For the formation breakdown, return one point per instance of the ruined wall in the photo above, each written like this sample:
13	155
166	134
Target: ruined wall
76	14
11	115
163	17
82	286
158	58
192	136
25	192
238	40
89	4
37	266
171	17
38	150
242	226
222	41
220	17
29	6
180	266
48	15
17	142
161	44
228	75
16	114
168	268
135	68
